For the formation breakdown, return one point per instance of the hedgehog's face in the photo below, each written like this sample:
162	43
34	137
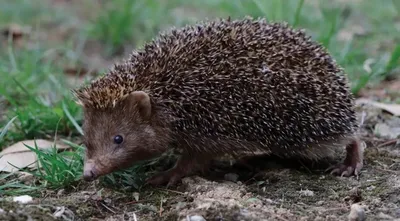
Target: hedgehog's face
117	137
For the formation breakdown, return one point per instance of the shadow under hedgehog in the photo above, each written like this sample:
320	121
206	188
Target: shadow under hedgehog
220	87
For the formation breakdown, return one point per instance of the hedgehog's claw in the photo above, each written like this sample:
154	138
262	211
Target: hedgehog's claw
346	170
353	162
342	170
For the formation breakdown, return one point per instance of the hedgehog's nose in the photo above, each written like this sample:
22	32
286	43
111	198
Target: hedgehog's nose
89	175
89	172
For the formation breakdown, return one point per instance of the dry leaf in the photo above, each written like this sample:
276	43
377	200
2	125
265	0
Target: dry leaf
391	108
20	156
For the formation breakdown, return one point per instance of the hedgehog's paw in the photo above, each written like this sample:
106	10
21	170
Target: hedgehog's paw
157	180
353	162
185	166
345	170
170	178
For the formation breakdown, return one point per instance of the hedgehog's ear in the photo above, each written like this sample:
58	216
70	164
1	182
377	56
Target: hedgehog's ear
142	100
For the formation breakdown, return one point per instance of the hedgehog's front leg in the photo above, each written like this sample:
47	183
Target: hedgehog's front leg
186	165
353	162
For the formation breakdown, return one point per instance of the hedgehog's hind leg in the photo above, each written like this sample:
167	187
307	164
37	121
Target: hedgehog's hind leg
353	162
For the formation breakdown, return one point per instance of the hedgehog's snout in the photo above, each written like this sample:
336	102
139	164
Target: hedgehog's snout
89	171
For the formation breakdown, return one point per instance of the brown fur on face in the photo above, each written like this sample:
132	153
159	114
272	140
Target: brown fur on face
134	120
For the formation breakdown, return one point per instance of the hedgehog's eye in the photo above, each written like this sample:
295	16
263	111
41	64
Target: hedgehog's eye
118	139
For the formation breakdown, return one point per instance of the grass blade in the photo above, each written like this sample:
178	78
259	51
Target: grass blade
297	13
394	59
73	121
5	129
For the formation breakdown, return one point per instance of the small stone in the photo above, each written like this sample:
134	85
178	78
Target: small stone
136	196
355	195
384	216
357	213
96	197
397	213
26	178
306	193
60	192
370	188
376	201
269	201
320	203
23	199
233	177
1	210
59	212
180	205
188	181
244	212
196	218
107	200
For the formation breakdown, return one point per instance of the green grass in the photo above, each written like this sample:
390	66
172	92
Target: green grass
29	12
58	169
119	26
35	98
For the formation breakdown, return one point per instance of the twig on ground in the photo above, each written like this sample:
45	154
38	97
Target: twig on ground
139	201
98	208
108	208
334	209
280	218
134	217
387	170
161	208
387	143
172	191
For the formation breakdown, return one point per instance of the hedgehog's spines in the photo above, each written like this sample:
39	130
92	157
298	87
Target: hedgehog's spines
108	89
237	80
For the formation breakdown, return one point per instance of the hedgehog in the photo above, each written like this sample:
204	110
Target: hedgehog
220	87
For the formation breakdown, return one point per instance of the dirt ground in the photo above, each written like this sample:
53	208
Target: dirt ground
277	190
